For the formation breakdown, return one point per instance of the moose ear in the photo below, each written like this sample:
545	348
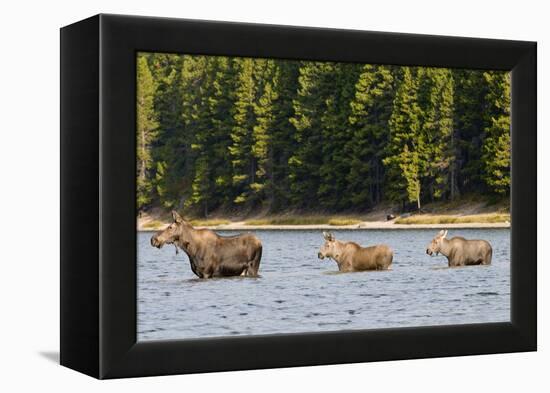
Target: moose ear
328	236
441	233
177	218
445	234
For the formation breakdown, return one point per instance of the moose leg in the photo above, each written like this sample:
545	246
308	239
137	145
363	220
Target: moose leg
250	271
246	269
488	258
208	272
453	262
254	264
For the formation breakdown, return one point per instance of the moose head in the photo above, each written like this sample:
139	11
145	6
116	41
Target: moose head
331	247
435	245
174	233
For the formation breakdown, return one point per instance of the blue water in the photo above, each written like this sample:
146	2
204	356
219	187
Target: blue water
299	293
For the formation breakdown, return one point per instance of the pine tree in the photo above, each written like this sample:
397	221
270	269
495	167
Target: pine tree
470	91
335	127
496	146
435	96
221	107
282	133
262	132
405	146
196	87
146	130
309	105
170	156
210	115
370	113
241	150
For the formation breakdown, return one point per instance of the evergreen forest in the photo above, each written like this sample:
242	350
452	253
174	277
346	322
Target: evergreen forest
243	135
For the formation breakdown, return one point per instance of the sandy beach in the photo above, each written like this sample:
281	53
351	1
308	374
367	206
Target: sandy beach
242	226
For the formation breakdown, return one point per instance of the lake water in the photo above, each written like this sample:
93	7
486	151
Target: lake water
297	292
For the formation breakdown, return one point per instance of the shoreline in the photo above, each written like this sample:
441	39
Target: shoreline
389	225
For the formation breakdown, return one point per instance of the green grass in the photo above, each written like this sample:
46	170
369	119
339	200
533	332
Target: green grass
209	222
198	223
343	221
288	221
442	219
304	220
261	221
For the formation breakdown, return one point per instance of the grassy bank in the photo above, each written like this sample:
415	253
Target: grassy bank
154	224
469	211
305	220
213	222
454	219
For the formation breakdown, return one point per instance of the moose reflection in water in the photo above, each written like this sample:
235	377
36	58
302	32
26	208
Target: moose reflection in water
211	255
351	257
459	251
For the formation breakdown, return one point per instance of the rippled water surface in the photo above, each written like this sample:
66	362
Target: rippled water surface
299	293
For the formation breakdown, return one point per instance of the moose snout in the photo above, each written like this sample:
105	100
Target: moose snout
155	241
320	256
428	251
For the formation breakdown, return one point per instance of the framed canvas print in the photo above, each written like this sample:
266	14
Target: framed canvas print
239	196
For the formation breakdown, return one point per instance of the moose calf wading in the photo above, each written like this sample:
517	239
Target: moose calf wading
459	251
211	255
351	257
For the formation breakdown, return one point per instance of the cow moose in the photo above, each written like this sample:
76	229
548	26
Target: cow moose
211	255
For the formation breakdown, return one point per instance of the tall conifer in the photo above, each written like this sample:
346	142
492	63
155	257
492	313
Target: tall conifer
146	130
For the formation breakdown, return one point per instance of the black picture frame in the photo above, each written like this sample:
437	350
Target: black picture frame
98	212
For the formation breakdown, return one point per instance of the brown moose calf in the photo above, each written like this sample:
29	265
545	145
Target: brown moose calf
459	251
351	257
